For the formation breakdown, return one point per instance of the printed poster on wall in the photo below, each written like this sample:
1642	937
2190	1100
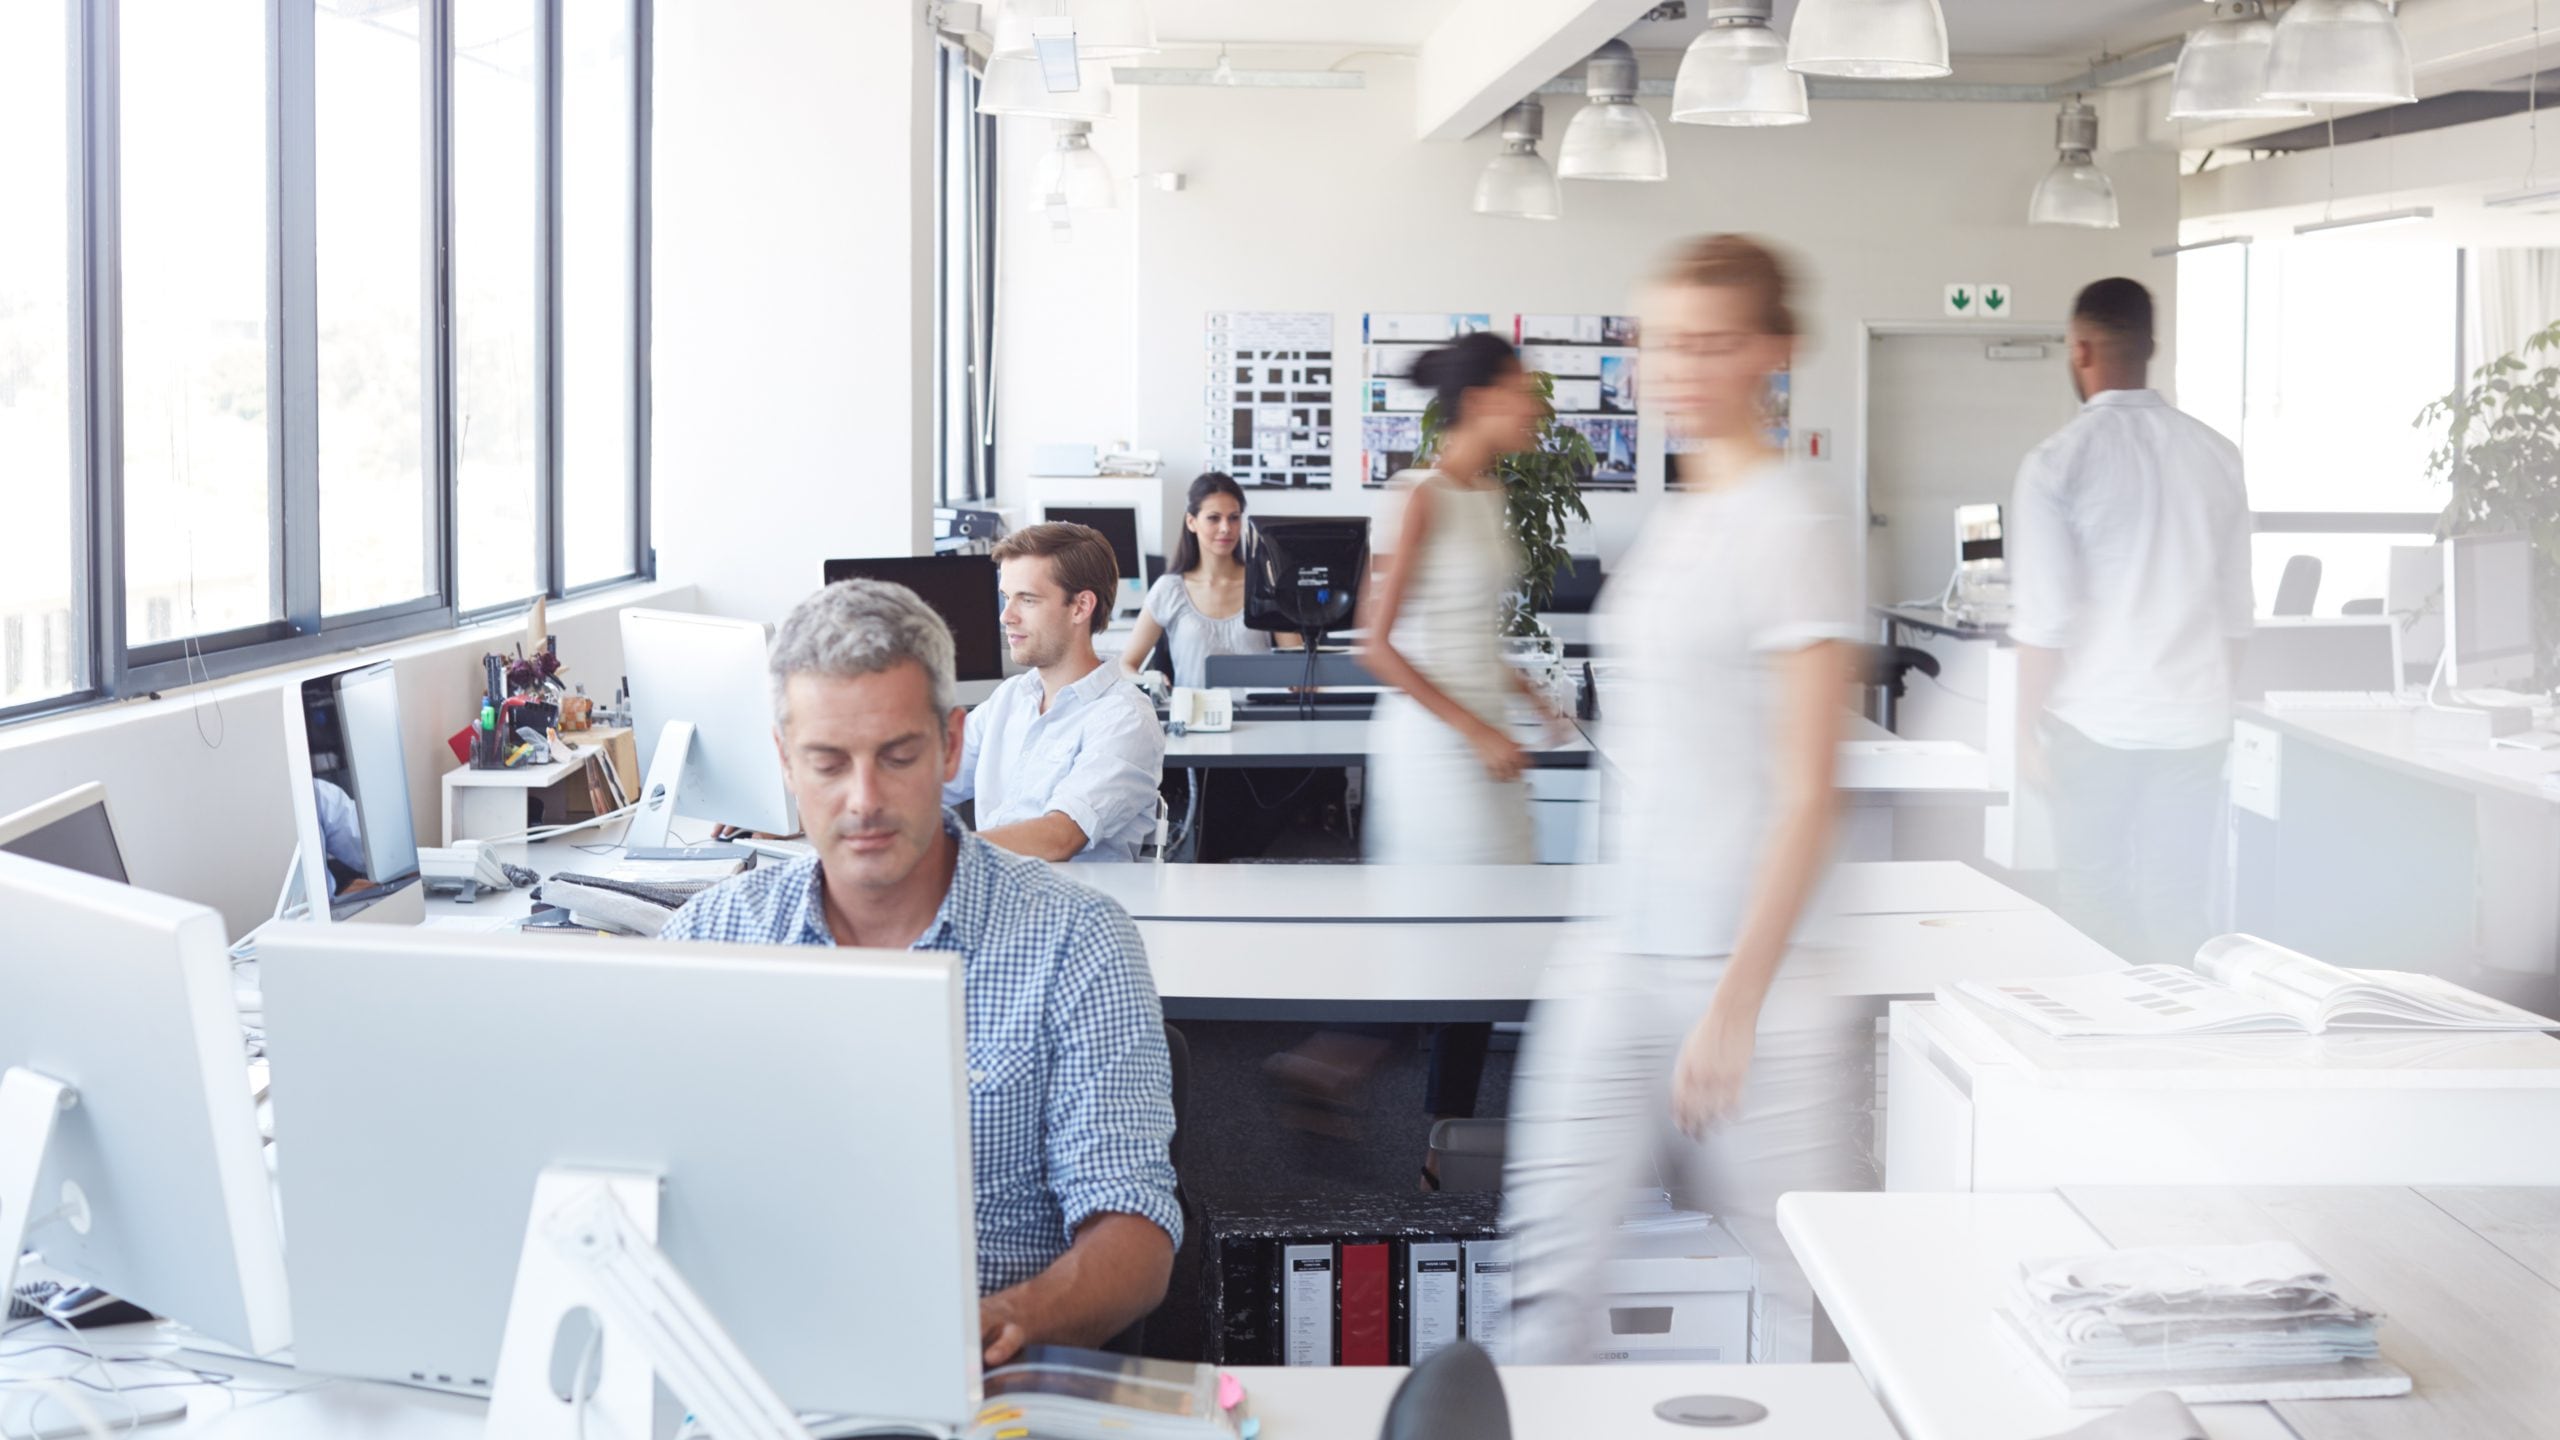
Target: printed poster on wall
1593	361
1269	410
1392	405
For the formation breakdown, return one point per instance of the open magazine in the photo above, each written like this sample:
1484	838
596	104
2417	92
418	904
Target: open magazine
2240	985
1057	1392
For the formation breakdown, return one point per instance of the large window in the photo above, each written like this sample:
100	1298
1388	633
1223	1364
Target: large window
964	286
322	322
2315	355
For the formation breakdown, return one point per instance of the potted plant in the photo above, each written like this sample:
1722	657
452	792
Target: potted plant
1543	490
2501	455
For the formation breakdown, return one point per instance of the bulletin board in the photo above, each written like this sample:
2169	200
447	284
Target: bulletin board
1269	420
1591	357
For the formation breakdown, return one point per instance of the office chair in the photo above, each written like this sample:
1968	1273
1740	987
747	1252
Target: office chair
1133	1341
2299	587
2370	605
1884	668
1454	1395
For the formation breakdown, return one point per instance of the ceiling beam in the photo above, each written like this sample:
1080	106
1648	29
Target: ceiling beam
1487	55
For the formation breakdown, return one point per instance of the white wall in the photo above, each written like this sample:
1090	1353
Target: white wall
793	285
196	780
1302	200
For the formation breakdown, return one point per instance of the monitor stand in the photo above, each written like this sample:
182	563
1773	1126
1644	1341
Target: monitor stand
591	1247
30	1103
655	813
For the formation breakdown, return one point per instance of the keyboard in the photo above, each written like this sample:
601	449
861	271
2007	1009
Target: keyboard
2334	700
672	897
1323	699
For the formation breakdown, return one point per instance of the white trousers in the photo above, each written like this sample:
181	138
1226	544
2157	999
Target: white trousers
1430	800
1591	1121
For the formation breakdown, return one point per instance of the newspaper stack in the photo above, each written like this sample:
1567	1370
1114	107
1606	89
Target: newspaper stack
2189	1310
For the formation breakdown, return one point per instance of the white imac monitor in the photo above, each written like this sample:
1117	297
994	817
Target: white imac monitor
2488	610
802	1116
707	676
72	830
357	855
1979	543
151	1184
1119	525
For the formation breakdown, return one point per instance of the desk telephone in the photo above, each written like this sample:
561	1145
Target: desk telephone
1209	711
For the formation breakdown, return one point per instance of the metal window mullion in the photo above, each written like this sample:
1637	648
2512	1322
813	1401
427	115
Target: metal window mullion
97	423
644	19
436	372
293	370
546	300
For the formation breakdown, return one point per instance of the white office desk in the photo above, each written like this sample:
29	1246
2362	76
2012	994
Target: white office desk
1805	1402
2468	1280
1313	744
1457	894
2389	738
1215	970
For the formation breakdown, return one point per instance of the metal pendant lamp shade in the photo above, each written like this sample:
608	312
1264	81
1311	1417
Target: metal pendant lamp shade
1869	39
1014	86
1518	183
1611	138
1071	175
2222	71
2340	52
1735	73
1105	29
2075	191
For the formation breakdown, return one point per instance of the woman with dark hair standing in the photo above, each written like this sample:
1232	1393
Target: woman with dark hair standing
1445	784
1673	1046
1197	606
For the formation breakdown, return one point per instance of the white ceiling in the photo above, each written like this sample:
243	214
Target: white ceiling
2062	30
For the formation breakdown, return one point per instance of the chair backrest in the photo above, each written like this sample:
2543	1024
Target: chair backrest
2370	605
1454	1395
2300	587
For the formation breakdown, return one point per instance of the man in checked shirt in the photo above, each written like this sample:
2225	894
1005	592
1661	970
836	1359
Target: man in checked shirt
1070	1093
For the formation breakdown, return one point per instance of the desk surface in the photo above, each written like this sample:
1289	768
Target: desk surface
1936	620
1805	1402
1878	765
1292	744
2468	1279
2389	738
1457	894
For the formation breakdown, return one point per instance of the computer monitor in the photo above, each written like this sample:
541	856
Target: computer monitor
1577	586
961	589
1302	573
1119	525
1978	536
72	830
804	1112
2488	610
153	1185
349	779
706	675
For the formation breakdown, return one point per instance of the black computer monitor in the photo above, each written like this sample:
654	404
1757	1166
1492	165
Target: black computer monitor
71	830
1118	524
1302	573
1577	586
960	588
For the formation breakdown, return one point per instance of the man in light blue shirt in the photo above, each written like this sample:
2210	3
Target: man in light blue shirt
1070	1091
1064	759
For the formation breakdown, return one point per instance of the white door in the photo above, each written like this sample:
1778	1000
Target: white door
1947	426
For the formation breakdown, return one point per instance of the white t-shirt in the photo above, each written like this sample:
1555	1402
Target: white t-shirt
1096	756
2128	547
1719	586
1194	637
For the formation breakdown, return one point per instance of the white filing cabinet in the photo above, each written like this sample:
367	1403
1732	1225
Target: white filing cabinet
1981	1104
1564	815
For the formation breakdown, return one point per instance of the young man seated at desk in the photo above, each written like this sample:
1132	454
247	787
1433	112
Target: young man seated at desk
1064	759
1070	1091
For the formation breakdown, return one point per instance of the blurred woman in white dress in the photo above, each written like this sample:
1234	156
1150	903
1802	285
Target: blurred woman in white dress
1673	1052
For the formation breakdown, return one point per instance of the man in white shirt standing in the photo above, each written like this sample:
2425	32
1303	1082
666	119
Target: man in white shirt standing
2129	578
1064	759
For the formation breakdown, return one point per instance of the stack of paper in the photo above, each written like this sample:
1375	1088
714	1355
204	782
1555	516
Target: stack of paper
2189	1310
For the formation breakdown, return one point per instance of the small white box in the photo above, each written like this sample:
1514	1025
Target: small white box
1676	1298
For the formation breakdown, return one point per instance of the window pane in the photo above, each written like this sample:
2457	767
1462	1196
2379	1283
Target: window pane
375	516
2213	335
598	163
37	484
2348	339
198	491
496	137
2352	567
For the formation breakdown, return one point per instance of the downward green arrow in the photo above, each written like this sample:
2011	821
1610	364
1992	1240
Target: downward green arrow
1963	300
1992	299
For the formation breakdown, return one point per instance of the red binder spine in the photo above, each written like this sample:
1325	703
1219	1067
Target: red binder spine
1366	1304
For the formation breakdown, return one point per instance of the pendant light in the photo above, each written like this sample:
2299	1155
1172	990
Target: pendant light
1014	85
2222	71
1735	73
1071	176
1611	138
1104	29
2075	191
1870	39
1518	183
2340	52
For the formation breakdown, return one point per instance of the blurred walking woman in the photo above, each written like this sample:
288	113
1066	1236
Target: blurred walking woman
1445	783
1197	606
1676	1040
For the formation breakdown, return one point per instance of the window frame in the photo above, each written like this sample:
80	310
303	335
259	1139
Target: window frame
965	157
113	665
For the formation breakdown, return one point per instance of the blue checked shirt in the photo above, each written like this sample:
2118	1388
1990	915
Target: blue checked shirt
1070	1092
